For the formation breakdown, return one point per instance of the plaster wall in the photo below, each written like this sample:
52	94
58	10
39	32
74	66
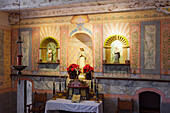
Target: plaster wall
5	70
4	18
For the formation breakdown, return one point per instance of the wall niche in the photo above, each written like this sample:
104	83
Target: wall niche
112	43
49	53
116	55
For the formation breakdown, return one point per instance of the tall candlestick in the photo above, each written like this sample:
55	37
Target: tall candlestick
97	97
92	85
53	88
97	93
95	85
65	83
60	84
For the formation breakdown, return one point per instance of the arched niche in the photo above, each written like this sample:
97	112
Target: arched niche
116	41
46	43
77	41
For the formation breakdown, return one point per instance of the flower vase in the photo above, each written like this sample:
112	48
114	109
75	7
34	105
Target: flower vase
73	74
88	76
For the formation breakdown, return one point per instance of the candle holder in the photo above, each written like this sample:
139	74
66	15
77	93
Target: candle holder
91	91
54	98
60	83
97	95
19	66
95	85
19	69
65	84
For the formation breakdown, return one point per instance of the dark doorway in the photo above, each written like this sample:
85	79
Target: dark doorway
149	102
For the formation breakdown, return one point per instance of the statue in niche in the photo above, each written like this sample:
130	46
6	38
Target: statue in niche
82	58
50	55
117	55
51	52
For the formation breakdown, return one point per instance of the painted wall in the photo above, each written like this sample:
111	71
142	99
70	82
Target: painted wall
5	70
134	26
144	30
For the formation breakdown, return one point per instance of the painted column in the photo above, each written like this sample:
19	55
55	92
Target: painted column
63	43
98	47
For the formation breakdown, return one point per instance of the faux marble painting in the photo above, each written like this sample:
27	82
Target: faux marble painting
129	87
25	47
115	87
149	45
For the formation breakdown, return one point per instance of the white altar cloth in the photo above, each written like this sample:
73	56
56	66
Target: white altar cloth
67	105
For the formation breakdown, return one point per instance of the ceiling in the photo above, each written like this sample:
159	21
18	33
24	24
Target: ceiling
9	5
49	8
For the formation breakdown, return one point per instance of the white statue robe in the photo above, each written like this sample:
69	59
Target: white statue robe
82	60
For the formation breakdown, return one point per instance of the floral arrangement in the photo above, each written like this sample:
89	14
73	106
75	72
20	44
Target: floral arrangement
87	69
73	67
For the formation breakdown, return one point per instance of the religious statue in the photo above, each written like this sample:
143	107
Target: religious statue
117	55
82	58
50	54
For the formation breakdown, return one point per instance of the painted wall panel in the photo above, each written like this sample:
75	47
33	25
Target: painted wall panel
150	47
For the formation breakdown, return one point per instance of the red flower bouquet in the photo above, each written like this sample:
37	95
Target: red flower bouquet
73	70
88	70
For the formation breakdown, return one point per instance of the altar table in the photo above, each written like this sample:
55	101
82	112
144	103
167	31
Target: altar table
67	105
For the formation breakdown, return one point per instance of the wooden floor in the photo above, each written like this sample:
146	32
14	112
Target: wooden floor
150	111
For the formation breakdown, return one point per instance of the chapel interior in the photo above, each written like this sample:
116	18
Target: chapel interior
113	54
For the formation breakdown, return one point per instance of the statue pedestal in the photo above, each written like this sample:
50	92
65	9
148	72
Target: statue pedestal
81	76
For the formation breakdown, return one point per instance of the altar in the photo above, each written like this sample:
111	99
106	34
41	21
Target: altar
67	105
78	87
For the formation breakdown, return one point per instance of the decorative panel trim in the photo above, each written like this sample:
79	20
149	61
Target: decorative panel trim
1	52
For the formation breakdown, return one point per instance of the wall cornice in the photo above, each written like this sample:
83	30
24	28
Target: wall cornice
135	16
89	8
